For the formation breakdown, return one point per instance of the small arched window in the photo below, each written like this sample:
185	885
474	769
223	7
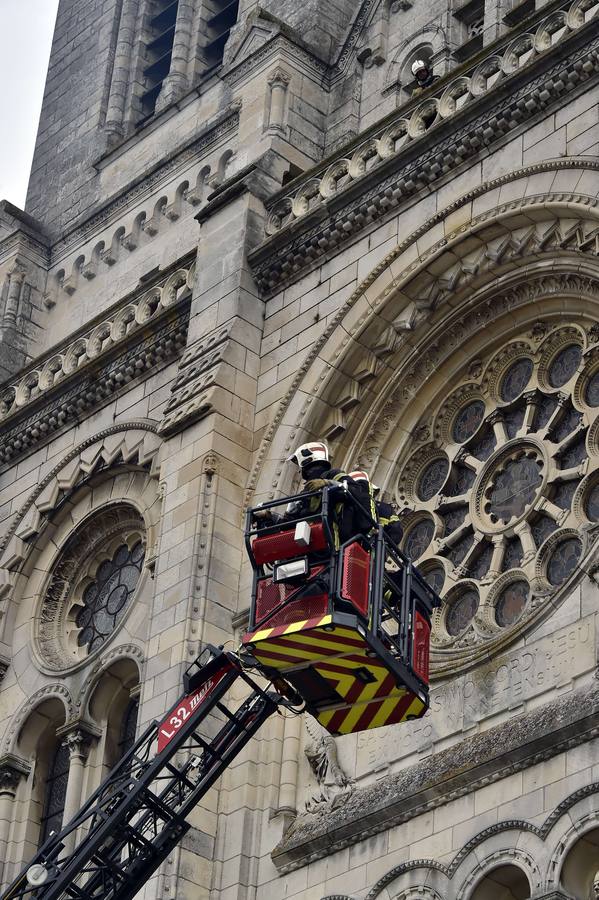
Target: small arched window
128	726
55	791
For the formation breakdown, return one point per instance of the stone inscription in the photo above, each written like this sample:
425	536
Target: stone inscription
460	705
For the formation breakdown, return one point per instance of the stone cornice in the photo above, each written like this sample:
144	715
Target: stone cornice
514	745
339	199
216	129
146	330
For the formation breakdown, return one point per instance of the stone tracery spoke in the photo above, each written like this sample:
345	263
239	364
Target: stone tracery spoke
501	503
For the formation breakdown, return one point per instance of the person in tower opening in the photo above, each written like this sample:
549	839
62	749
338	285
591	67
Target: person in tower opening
423	76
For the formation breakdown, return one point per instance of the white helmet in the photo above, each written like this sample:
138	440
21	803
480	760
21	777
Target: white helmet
419	65
309	453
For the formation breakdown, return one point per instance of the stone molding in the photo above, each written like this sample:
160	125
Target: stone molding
204	382
390	339
101	665
78	736
57	690
12	770
222	125
326	208
459	770
145	331
135	443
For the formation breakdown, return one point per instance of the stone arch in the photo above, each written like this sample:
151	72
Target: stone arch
504	882
430	43
133	444
450	252
466	279
50	692
128	652
580	866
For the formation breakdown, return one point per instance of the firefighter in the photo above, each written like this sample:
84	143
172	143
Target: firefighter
423	76
380	510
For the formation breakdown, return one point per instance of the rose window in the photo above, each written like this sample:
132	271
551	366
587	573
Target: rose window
502	503
91	586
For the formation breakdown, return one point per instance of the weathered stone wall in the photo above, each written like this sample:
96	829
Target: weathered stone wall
197	297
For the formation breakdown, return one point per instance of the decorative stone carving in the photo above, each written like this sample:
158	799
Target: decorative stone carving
417	120
321	753
78	737
12	770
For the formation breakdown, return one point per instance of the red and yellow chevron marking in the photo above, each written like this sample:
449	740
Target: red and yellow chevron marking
369	701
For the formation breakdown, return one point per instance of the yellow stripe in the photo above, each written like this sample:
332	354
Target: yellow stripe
325	717
262	635
326	639
385	711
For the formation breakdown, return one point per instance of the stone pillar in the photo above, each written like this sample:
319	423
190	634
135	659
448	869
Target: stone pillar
16	277
120	72
77	737
176	82
279	82
12	769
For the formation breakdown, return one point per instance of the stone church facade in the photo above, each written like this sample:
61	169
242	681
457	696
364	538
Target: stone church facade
247	227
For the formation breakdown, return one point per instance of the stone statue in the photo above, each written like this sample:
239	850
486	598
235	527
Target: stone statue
595	888
321	753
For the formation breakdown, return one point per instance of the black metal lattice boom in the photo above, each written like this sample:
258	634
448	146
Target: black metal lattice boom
138	814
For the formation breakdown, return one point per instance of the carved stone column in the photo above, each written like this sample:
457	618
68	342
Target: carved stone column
12	769
78	738
176	81
279	83
120	73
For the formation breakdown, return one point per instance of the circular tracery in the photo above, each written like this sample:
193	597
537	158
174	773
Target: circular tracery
505	487
91	585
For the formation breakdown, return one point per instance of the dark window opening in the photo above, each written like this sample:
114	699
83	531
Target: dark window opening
157	53
472	17
55	791
128	727
219	23
520	12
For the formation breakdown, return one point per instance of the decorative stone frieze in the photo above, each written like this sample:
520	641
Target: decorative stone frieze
144	332
78	737
321	212
12	770
205	381
473	762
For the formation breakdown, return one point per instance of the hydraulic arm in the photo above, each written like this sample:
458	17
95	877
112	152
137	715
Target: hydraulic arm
138	814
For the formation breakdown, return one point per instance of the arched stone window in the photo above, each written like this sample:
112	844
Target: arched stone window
502	503
113	707
504	883
129	726
580	871
55	791
91	585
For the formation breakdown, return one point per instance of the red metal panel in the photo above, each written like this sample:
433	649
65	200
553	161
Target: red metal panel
274	547
356	572
270	596
422	639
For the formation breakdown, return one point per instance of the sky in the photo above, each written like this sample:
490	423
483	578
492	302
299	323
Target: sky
26	28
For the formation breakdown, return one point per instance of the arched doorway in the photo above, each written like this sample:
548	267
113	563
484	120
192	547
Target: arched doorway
504	883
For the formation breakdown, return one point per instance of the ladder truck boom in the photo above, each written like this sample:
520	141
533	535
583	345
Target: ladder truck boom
138	814
339	626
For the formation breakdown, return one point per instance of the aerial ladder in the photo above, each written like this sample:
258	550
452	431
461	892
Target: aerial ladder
339	629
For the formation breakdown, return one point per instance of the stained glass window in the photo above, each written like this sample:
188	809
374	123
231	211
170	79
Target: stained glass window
128	727
515	379
513	419
461	612
514	489
431	480
482	563
574	453
591	395
564	365
55	791
564	493
462	482
541	528
460	549
484	444
512	556
467	421
511	603
566	425
454	518
418	538
436	578
563	560
591	506
105	600
545	409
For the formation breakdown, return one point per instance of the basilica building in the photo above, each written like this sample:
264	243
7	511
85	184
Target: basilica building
255	223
